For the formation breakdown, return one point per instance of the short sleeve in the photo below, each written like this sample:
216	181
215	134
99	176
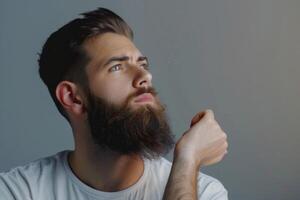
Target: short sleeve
12	187
210	188
5	192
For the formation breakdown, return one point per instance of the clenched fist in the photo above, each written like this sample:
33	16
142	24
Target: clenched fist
205	143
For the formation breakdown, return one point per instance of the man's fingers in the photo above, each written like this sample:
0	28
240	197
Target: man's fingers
214	160
216	156
218	150
210	113
216	145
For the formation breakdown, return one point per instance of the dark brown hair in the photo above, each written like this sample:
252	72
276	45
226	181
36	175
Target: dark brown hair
62	56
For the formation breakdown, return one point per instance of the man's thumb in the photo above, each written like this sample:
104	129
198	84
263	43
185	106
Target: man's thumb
200	115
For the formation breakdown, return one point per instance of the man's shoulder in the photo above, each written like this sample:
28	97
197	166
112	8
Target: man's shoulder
21	182
211	188
32	169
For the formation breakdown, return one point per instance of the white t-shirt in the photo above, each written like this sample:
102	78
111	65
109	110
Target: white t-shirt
51	178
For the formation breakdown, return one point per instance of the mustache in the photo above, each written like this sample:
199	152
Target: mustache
93	100
150	90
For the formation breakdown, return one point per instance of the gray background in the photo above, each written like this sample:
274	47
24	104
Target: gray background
239	58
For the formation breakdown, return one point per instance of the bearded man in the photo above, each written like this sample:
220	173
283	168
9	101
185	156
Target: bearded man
101	83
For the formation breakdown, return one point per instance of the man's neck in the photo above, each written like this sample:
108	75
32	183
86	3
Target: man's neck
106	171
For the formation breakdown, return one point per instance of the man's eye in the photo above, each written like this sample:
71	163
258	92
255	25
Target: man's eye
115	67
145	65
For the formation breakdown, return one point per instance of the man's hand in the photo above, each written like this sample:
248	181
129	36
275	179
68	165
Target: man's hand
205	143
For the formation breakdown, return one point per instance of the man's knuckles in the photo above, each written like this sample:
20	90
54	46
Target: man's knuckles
209	114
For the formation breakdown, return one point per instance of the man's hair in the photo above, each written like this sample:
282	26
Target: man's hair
62	56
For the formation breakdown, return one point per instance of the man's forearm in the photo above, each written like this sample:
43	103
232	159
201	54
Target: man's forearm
182	182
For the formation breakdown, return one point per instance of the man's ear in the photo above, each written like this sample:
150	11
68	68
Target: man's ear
69	96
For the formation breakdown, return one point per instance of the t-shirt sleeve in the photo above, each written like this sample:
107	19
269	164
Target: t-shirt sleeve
210	188
12	188
5	191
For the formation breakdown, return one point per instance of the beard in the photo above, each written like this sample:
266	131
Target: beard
144	131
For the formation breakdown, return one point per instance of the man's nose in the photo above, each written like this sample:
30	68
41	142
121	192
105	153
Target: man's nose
142	78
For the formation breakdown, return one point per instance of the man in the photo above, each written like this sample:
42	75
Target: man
101	83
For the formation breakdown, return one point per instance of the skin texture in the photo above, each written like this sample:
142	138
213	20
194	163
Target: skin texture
203	144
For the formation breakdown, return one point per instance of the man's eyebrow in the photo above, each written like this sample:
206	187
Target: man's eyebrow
116	58
123	58
142	58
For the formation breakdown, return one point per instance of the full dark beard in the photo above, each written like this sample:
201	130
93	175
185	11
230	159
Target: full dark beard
144	131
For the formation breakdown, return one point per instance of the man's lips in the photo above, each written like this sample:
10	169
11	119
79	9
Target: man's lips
144	97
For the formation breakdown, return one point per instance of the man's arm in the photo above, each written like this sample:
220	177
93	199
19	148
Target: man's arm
182	182
203	144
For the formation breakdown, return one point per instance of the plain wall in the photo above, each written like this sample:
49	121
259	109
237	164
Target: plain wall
239	58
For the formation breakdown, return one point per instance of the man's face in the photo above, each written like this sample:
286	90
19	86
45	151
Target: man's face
120	118
117	69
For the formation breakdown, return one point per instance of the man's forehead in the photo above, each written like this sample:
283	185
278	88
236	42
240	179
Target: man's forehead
110	44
